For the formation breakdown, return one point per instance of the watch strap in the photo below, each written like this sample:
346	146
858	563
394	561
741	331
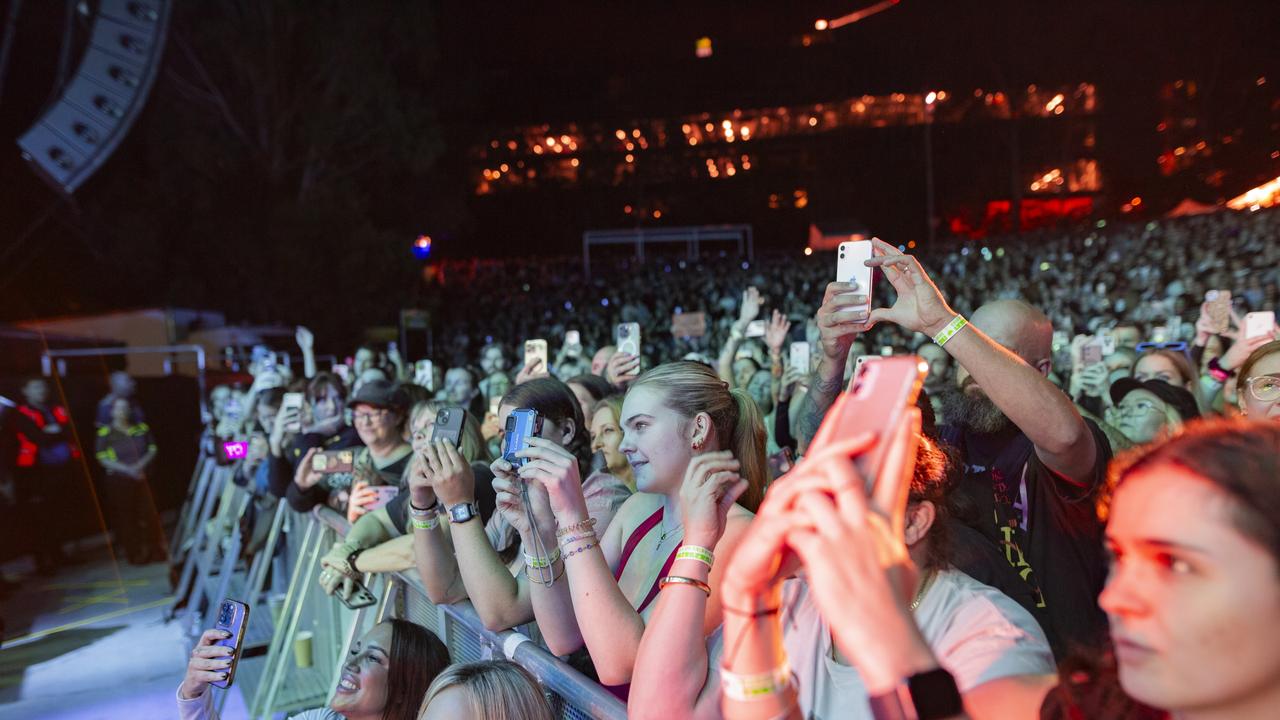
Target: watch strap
472	511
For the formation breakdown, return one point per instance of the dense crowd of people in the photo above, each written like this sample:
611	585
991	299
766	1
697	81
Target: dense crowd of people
1077	517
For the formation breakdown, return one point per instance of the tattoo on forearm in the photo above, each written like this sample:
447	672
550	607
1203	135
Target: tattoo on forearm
814	406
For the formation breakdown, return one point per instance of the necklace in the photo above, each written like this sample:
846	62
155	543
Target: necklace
924	588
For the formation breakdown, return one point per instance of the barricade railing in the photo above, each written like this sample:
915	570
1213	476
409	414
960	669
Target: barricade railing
276	684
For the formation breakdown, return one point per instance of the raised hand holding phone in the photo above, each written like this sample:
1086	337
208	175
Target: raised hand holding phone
233	620
210	663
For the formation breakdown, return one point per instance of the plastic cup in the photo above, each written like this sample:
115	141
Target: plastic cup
302	648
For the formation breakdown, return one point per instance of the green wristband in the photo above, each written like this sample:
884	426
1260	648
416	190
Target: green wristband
950	330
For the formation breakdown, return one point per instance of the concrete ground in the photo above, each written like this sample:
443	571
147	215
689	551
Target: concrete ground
90	643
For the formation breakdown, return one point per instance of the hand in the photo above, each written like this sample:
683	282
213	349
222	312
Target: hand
535	369
750	309
711	486
776	334
556	469
451	474
335	570
860	571
1093	381
305	339
284	419
208	664
792	378
507	488
920	306
1205	327
362	494
1241	349
421	492
622	370
393	355
837	323
304	477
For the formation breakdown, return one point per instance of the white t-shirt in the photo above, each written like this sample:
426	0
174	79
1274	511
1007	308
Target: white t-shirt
201	708
977	633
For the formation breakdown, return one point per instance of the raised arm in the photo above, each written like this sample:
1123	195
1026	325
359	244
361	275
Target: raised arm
838	325
749	310
306	343
1022	392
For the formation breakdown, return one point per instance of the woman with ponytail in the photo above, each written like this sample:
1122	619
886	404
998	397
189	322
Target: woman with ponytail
698	453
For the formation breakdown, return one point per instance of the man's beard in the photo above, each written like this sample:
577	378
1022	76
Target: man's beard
972	409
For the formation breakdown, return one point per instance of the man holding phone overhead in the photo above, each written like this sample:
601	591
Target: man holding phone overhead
1032	464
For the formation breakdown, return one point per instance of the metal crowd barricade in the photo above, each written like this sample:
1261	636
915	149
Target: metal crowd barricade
281	686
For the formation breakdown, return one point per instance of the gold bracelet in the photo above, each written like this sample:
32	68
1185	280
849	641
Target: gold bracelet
587	524
682	580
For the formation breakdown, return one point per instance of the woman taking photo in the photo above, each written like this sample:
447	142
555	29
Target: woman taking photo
460	556
383	678
1193	531
695	448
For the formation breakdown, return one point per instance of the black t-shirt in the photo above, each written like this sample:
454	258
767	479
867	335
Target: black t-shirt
1046	527
398	508
299	499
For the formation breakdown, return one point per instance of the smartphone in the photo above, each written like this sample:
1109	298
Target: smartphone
536	350
851	267
333	461
1257	324
385	494
1108	342
800	357
292	402
627	337
755	328
359	597
1218	307
343	371
858	363
521	425
233	617
424	374
449	422
573	337
1091	353
876	401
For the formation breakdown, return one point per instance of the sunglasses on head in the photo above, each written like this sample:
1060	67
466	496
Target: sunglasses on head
1178	346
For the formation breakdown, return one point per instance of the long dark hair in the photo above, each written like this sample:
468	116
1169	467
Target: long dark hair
556	402
417	657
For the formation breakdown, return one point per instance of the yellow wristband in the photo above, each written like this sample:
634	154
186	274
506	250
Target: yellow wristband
950	330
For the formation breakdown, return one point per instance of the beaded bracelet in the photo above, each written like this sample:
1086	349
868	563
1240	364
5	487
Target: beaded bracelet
580	550
587	524
681	580
429	524
538	562
754	686
950	330
695	552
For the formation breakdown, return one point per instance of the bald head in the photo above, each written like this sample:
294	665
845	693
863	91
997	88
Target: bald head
1017	326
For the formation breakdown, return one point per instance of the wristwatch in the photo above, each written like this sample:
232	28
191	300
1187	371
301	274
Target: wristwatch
930	695
463	512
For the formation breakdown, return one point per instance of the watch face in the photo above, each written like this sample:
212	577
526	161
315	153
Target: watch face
460	512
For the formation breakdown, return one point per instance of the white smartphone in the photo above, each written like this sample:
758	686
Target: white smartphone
851	267
886	351
627	338
424	374
755	328
536	350
292	401
572	337
1259	323
800	357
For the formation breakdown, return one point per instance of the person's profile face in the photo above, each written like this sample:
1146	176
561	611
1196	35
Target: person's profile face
420	430
656	440
458	387
362	680
606	438
1191	601
1141	416
326	405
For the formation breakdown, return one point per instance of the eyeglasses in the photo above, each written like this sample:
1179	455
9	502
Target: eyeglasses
368	416
1264	388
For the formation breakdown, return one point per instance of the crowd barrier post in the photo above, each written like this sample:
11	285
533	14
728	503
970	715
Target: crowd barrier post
230	557
191	506
222	532
218	477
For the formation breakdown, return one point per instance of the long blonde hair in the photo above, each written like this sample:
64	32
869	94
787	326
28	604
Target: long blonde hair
496	690
690	388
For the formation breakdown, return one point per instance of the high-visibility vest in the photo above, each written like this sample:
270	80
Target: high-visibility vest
28	451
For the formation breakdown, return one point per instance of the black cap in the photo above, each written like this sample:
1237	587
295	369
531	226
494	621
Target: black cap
381	393
1180	399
